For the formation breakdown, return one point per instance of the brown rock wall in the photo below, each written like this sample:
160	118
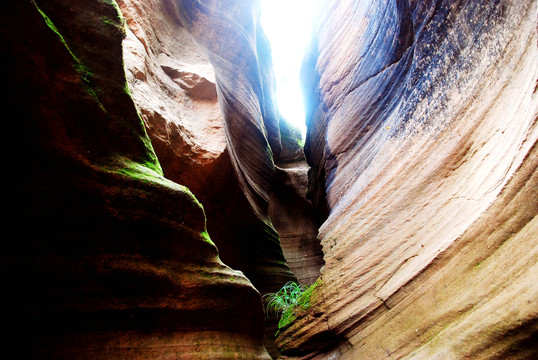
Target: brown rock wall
111	260
422	130
208	142
173	86
292	214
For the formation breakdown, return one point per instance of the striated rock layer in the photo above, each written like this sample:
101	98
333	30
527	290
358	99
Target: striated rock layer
422	141
252	133
208	141
109	259
177	60
292	213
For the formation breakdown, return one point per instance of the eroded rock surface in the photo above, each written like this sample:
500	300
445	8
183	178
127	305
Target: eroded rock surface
111	259
207	142
422	140
173	86
292	213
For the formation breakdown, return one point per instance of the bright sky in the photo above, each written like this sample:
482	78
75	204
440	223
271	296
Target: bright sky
288	24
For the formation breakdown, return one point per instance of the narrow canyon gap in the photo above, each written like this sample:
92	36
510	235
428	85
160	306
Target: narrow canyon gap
158	194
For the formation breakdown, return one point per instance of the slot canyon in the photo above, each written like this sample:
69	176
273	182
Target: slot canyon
160	195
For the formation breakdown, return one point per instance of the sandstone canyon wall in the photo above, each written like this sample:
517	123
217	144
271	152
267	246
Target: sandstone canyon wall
201	77
113	258
155	180
179	55
422	131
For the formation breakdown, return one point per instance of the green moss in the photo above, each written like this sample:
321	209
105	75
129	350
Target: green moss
206	238
290	301
117	24
126	89
148	172
152	161
51	25
305	300
110	2
85	73
287	318
118	21
149	161
143	171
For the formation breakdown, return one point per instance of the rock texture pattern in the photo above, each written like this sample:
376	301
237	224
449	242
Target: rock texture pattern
111	259
422	140
178	55
292	214
251	123
173	87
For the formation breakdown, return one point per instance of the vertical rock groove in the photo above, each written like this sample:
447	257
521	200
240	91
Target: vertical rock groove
230	34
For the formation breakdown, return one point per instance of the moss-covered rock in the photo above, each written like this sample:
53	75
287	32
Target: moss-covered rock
111	260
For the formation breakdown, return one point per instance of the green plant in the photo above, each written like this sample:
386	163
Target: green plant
278	303
289	301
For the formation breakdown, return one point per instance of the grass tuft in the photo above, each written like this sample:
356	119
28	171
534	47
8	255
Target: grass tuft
288	302
278	303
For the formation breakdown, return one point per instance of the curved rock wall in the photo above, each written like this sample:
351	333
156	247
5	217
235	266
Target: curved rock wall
422	140
233	53
173	86
111	260
293	217
178	55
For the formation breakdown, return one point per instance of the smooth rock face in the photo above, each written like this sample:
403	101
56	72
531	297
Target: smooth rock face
422	141
173	77
173	86
111	260
233	53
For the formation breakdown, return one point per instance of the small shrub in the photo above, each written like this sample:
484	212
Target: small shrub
278	303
